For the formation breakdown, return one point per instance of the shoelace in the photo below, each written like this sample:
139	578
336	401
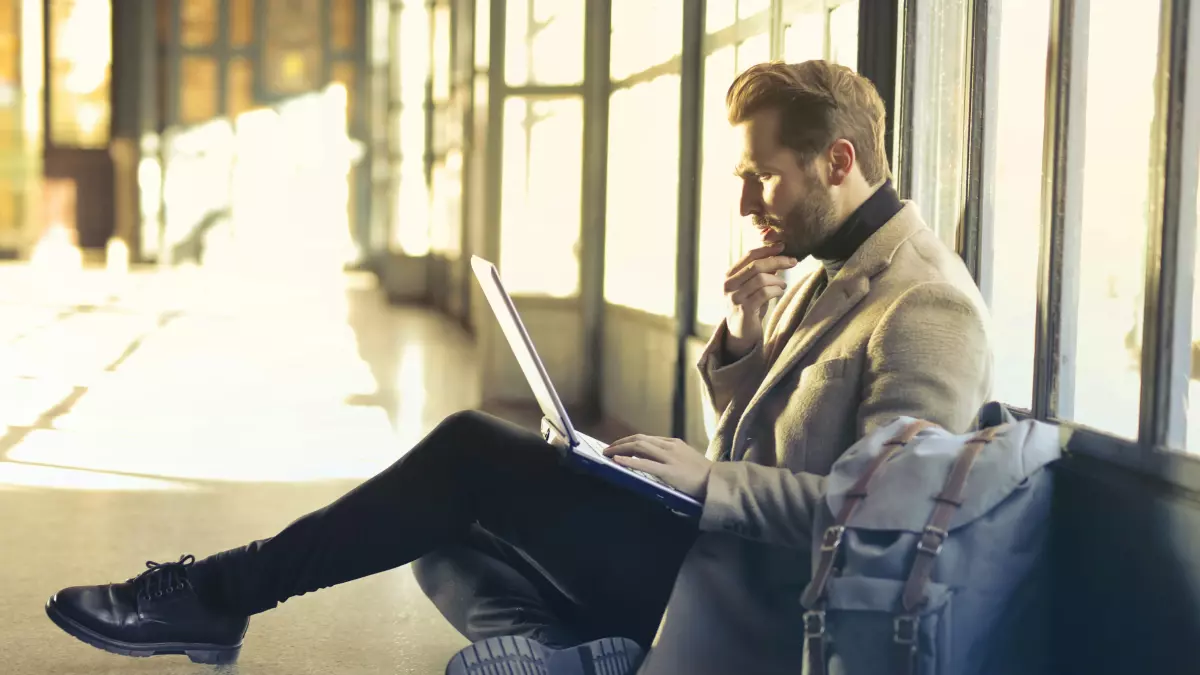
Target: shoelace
162	578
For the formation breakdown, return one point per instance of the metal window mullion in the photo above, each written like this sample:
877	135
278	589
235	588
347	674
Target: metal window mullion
596	92
1062	205
691	119
903	162
1166	325
975	234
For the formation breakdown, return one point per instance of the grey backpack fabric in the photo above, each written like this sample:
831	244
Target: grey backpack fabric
971	597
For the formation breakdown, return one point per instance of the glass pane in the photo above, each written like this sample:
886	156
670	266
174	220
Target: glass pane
241	23
483	26
720	14
410	230
754	50
643	185
540	197
748	8
446	218
239	96
1193	409
644	34
544	42
1016	193
939	115
197	89
1120	105
346	74
441	54
380	25
197	22
804	37
80	72
343	20
718	191
843	34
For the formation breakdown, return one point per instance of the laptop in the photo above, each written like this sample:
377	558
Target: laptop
581	451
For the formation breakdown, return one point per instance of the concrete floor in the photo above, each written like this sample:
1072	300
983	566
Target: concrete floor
162	413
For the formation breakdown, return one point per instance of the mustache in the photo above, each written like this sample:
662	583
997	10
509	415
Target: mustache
763	222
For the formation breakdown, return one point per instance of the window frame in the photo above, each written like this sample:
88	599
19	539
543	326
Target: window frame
1159	452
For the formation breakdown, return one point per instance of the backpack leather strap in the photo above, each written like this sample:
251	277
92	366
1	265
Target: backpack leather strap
831	541
929	546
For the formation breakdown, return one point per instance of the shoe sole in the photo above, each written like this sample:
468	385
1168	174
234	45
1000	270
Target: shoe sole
521	656
198	653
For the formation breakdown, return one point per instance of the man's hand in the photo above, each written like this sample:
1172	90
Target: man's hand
749	286
669	459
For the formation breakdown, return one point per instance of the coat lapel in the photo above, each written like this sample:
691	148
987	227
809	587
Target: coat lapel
801	330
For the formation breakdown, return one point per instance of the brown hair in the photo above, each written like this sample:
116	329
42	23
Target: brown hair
819	102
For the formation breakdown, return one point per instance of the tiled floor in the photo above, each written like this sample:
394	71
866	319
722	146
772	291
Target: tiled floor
147	416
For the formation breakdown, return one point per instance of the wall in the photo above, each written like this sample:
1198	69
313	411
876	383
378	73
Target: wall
1128	573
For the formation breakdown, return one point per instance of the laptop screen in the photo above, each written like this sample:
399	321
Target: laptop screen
522	346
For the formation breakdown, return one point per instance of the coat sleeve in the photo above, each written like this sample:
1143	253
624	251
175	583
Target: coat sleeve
929	357
721	379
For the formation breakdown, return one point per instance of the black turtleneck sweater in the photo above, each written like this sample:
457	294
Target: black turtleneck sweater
866	220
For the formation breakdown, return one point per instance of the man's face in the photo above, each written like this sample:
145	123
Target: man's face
787	202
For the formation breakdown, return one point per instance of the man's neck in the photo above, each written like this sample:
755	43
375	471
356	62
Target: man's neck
876	209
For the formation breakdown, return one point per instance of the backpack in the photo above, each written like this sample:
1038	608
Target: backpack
937	560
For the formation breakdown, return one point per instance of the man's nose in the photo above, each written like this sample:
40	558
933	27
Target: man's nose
751	203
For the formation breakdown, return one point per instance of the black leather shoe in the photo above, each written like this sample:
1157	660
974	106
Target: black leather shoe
158	612
522	656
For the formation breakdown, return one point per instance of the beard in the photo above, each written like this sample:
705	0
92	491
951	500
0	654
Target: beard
808	225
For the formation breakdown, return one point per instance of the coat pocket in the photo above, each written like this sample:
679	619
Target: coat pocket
860	619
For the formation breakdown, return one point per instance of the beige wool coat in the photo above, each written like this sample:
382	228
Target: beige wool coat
900	330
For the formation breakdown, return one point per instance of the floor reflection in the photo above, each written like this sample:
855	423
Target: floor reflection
188	411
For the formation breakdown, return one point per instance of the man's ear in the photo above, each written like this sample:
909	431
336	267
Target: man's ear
841	161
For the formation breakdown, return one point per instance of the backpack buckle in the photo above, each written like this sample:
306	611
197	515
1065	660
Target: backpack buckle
932	540
904	629
833	537
814	623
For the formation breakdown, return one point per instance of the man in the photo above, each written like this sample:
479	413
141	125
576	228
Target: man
557	569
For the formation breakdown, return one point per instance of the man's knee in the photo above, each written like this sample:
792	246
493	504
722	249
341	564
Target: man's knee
466	422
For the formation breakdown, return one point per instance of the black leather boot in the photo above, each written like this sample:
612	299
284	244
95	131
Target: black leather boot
157	612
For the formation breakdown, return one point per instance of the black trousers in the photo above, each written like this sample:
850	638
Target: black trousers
509	541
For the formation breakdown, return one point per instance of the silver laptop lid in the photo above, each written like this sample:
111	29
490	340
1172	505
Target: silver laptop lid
522	347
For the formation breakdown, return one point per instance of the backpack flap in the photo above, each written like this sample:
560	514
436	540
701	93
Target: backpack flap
902	499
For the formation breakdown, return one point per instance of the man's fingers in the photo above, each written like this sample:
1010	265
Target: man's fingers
753	282
757	253
769	266
639	448
752	299
637	463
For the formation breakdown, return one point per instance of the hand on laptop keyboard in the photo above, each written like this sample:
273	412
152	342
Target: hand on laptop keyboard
669	460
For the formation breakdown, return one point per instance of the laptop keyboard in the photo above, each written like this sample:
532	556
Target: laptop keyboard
598	448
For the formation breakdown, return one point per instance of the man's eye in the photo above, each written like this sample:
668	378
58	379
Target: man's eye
764	177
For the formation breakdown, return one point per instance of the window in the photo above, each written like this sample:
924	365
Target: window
806	25
939	115
544	42
748	8
720	14
724	236
719	240
1119	116
645	33
1015	182
540	197
411	230
80	69
1193	410
643	196
843	34
483	35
